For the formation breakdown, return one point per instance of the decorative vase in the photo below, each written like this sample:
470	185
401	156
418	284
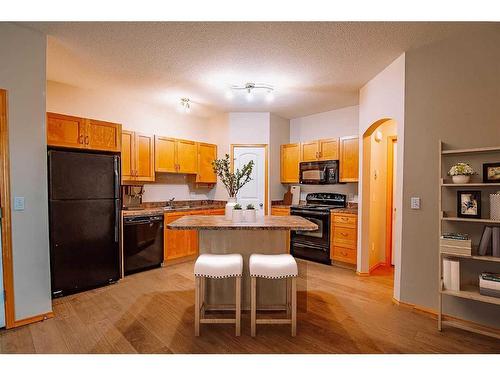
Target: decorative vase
237	216
250	215
460	179
231	202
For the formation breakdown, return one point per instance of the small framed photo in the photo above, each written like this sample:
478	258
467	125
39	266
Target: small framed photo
491	172
469	204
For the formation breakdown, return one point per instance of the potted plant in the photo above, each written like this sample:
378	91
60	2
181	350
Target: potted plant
237	216
249	214
460	173
233	181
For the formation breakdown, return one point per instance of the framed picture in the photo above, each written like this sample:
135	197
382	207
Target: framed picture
491	172
469	204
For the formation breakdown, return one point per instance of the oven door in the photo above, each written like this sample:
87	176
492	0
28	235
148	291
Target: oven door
318	237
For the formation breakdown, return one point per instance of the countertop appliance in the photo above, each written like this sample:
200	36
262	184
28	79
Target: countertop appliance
319	172
84	220
315	245
142	242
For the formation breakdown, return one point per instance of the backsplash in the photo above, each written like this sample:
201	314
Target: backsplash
180	187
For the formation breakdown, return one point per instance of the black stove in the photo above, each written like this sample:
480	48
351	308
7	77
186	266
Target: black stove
315	245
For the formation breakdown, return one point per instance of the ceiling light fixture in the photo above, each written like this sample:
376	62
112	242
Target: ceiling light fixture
185	105
250	88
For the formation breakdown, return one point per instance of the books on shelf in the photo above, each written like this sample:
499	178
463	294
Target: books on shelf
490	242
456	243
451	274
489	284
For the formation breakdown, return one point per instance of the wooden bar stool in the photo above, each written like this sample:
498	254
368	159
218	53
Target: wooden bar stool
279	266
217	266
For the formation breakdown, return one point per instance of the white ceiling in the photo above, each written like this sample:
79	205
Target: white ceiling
315	66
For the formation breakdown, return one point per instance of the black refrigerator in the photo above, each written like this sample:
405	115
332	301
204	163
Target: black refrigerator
84	220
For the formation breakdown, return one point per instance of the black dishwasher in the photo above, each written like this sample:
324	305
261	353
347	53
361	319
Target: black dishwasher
142	243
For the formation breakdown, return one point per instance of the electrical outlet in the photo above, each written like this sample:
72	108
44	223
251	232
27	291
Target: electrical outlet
415	203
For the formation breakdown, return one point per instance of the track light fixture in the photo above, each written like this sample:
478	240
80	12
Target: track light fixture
250	88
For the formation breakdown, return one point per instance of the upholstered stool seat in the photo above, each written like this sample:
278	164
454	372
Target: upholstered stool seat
217	266
275	266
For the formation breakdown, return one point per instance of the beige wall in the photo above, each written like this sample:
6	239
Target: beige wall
22	74
279	134
453	94
382	98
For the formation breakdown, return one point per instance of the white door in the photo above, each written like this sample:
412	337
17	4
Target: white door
394	177
2	302
254	191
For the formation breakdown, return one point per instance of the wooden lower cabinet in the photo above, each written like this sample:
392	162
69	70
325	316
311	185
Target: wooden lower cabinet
178	244
344	238
282	211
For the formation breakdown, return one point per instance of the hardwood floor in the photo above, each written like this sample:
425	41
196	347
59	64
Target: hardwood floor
153	312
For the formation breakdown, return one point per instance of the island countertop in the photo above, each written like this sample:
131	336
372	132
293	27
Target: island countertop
215	222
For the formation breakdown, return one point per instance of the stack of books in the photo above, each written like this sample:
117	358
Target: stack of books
489	284
490	242
456	244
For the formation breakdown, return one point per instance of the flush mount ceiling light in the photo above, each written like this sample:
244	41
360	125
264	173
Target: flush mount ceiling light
250	89
185	105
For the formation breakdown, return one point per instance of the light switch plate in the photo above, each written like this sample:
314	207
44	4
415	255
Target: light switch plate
18	203
415	203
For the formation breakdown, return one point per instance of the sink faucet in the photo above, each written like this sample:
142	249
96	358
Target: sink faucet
170	201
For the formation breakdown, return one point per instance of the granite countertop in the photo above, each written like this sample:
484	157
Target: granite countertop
162	210
263	223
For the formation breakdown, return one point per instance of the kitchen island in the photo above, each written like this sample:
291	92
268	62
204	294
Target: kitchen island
268	235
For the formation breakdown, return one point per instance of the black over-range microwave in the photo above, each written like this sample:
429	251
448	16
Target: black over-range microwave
319	172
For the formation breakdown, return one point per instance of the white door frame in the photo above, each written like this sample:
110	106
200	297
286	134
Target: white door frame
266	170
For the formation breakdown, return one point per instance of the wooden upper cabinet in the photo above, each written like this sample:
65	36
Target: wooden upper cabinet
187	157
101	135
290	158
310	151
323	149
76	132
128	155
165	154
328	149
207	153
144	157
65	131
349	159
137	156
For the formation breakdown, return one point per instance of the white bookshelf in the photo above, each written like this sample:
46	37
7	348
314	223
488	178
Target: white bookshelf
448	218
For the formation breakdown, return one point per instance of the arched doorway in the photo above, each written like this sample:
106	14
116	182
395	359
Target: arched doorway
378	197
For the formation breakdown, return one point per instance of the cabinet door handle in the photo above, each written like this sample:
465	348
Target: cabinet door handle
343	253
80	139
345	219
86	139
344	234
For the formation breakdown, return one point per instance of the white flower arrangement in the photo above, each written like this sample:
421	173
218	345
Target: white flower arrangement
461	169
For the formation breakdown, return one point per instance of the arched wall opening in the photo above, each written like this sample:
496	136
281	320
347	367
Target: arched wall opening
377	245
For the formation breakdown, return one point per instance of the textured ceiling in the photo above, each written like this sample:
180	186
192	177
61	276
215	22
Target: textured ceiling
315	66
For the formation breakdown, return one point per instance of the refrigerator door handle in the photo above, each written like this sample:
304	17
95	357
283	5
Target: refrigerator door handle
117	220
117	176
